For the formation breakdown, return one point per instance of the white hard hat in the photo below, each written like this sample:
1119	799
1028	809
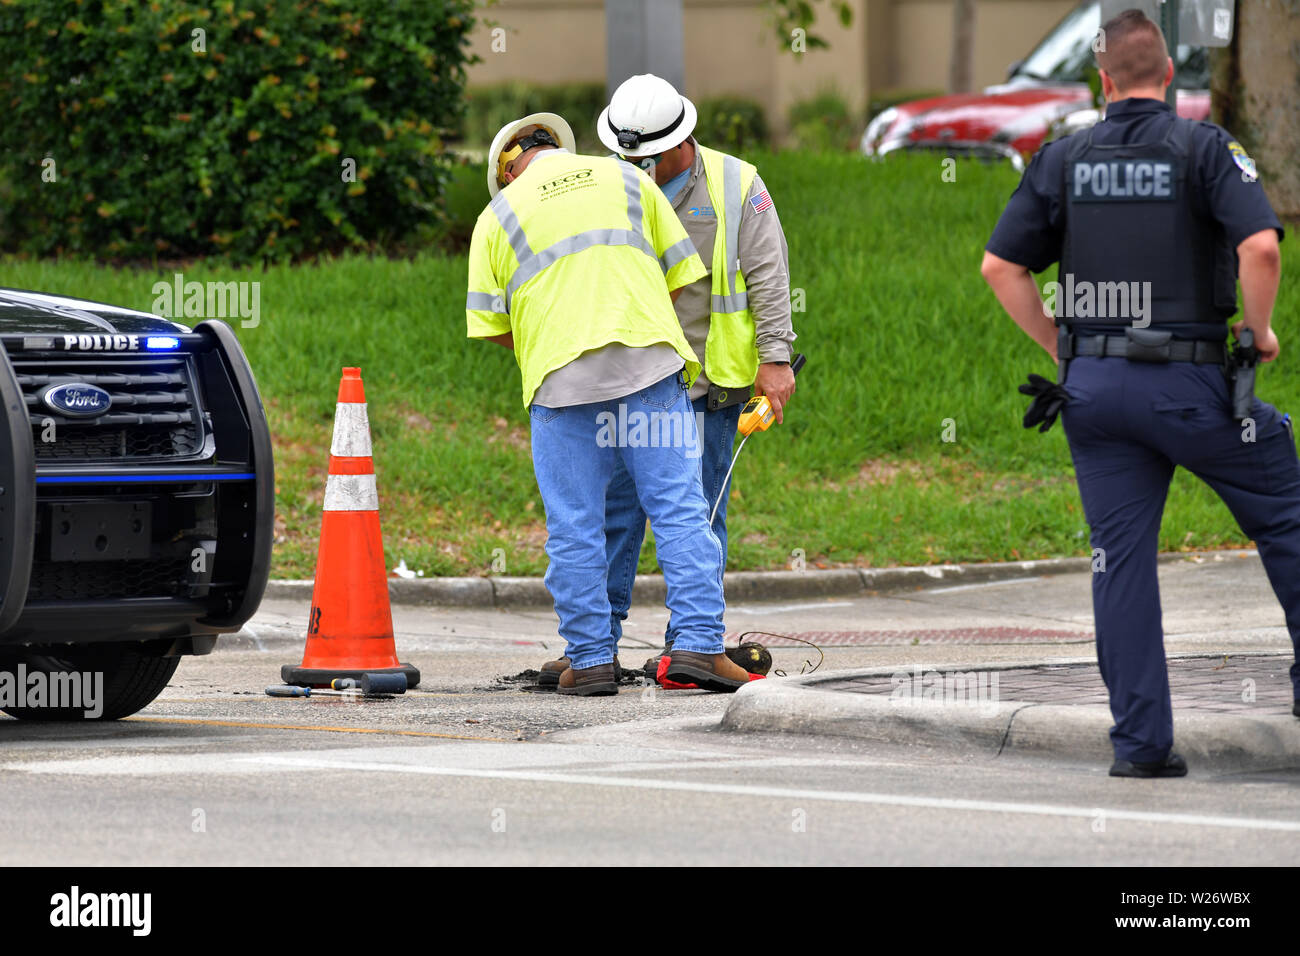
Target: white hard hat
555	125
645	116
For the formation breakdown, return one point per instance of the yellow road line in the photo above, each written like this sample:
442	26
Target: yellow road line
330	730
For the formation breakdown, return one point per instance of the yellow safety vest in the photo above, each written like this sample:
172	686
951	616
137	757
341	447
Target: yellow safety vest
578	252
730	351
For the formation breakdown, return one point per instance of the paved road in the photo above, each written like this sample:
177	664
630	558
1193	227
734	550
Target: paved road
472	770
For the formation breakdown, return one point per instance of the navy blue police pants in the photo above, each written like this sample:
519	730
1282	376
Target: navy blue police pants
1129	424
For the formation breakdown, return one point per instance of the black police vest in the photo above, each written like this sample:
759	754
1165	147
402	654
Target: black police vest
1135	252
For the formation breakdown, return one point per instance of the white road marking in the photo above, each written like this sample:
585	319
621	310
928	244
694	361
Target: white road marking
464	755
761	609
786	793
982	584
601	774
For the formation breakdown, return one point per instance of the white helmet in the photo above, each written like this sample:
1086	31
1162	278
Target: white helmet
560	132
646	116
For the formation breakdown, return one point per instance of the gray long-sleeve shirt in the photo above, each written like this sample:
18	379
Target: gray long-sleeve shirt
764	263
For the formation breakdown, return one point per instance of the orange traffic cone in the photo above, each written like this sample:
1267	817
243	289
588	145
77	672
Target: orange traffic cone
350	628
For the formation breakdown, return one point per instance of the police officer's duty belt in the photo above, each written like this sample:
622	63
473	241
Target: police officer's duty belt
1132	346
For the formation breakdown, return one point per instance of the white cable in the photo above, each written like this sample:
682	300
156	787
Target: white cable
727	478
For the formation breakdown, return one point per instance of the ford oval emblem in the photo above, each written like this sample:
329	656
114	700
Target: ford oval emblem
77	400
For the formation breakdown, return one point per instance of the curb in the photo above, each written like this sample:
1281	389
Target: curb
740	586
1221	742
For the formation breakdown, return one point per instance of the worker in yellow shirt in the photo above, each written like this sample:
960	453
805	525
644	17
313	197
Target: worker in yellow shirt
572	264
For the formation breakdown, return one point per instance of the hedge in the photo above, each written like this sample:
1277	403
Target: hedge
254	130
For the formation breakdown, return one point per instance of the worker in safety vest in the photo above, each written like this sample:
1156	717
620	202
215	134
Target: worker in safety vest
736	318
572	264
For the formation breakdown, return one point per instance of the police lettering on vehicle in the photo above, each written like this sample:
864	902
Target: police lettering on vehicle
1131	179
101	343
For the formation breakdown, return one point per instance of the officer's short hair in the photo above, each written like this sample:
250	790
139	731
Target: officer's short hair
1134	53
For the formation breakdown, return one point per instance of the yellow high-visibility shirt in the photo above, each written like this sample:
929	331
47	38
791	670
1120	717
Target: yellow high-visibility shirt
578	252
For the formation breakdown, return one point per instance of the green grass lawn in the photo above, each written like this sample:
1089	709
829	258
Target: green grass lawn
900	331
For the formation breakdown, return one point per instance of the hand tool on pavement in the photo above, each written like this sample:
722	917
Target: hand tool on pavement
369	685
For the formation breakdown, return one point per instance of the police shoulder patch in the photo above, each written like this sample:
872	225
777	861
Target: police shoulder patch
1243	161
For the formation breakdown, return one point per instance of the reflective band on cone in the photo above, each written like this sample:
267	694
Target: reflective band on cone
350	625
351	431
351	493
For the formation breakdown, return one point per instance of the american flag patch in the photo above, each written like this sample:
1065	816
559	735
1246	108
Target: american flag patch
761	202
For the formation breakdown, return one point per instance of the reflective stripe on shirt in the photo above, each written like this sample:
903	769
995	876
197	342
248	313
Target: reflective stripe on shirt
485	302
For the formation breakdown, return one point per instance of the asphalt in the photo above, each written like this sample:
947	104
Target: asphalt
474	768
996	659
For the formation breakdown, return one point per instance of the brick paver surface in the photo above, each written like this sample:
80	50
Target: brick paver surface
915	636
1238	685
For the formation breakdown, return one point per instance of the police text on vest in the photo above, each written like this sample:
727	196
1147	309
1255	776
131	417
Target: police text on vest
1125	179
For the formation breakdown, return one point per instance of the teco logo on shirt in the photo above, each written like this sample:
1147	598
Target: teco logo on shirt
576	176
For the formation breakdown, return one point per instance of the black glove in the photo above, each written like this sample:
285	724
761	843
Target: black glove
1049	399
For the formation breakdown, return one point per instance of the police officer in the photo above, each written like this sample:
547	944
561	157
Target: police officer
737	317
1152	218
571	265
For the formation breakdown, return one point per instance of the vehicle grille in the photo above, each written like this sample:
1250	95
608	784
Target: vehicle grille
154	414
104	580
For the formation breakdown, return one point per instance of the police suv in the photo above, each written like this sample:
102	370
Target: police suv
136	500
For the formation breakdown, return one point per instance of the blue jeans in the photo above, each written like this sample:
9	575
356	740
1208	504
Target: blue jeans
651	437
625	519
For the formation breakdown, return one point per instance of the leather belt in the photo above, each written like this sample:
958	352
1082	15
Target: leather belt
1199	351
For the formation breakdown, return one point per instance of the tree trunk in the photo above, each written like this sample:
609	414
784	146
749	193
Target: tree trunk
1256	95
961	72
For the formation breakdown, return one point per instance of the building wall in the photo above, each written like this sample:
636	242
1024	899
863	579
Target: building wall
731	48
1005	30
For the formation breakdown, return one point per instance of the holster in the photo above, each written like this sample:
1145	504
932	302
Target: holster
1240	372
1241	388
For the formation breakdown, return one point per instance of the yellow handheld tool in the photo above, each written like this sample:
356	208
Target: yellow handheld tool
757	415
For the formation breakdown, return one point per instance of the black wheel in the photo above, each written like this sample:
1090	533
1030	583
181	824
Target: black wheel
132	678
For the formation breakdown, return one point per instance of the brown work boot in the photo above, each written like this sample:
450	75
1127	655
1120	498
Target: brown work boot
715	672
598	681
549	675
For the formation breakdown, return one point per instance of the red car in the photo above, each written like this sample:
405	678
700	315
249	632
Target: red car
1047	92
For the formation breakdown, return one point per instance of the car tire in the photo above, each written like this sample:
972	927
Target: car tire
133	678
